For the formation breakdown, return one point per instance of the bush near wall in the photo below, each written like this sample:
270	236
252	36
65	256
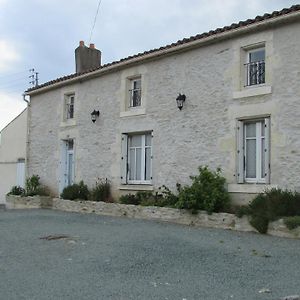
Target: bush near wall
33	187
101	191
207	192
270	206
76	191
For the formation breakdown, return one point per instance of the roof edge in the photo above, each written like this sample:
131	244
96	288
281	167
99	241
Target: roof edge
218	34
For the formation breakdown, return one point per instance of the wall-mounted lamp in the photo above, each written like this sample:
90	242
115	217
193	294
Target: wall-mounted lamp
94	115
180	99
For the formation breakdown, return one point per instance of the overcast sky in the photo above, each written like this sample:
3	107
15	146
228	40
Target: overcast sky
42	34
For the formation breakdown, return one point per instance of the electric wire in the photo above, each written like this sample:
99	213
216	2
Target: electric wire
13	74
95	19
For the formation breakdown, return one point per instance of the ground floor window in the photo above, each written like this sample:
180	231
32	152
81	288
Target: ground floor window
67	164
254	151
137	158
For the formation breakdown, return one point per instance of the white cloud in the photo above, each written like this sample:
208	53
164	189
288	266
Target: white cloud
8	55
10	106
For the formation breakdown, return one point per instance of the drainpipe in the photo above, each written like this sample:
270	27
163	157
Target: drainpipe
27	134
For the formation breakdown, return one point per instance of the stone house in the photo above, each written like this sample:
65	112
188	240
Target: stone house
13	154
241	112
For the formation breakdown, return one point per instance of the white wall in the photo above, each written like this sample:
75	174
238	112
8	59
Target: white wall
12	148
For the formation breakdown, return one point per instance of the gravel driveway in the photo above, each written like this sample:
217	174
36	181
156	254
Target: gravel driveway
120	258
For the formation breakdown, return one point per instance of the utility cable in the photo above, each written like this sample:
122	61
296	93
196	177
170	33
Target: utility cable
99	3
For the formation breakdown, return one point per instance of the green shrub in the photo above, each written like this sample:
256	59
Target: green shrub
242	211
163	198
207	192
129	199
75	191
101	191
272	205
16	190
292	222
33	187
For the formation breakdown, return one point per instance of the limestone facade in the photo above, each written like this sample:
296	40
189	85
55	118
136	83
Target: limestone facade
205	132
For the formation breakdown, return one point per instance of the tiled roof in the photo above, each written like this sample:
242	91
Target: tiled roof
217	31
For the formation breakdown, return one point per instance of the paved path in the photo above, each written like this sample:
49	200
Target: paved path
120	258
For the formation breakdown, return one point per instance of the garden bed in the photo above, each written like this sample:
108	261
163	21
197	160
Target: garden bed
178	216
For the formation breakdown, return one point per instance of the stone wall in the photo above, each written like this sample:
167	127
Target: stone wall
18	202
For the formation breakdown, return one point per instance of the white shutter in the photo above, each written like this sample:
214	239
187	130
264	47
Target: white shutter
62	166
124	160
21	173
240	152
151	169
267	149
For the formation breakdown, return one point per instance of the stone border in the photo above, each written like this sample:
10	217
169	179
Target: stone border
165	214
18	202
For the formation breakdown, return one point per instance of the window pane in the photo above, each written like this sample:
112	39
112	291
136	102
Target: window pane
137	84
135	141
251	130
136	98
70	144
250	158
262	158
138	164
257	55
70	168
148	139
148	164
131	164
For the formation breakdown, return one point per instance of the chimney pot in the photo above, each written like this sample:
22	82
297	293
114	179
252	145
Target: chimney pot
92	46
81	43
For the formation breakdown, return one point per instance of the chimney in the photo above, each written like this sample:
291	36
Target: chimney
87	58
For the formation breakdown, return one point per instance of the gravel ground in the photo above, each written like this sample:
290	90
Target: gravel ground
120	258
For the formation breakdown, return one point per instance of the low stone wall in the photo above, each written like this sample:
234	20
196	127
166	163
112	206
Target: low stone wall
179	216
18	202
165	214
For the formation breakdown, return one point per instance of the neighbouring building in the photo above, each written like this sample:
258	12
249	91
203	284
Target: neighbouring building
241	112
13	140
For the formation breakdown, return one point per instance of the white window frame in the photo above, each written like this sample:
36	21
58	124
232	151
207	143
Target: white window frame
133	89
247	68
125	160
241	150
69	102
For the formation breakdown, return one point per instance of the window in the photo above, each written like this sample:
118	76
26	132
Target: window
135	92
136	158
69	106
255	67
253	151
67	164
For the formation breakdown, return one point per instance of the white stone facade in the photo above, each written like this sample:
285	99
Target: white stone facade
204	132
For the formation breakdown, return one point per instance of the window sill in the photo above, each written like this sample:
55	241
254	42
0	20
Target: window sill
68	123
253	91
249	188
136	187
133	112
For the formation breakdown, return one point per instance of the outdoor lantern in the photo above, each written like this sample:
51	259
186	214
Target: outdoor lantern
180	99
94	115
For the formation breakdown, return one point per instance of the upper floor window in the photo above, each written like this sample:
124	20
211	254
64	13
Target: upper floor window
255	67
135	92
69	106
